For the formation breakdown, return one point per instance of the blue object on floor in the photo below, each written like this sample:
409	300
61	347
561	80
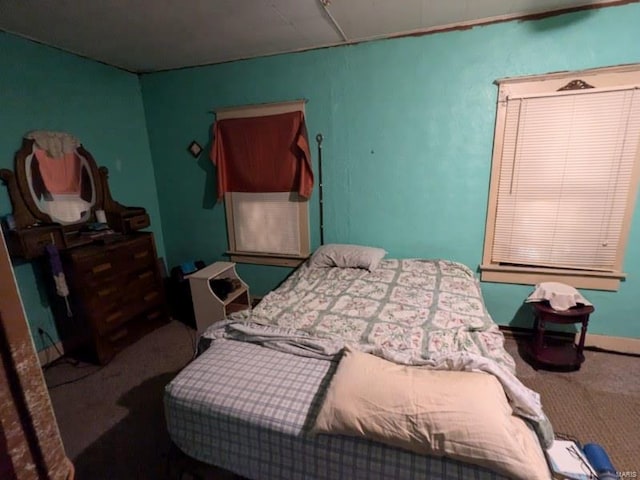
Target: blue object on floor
188	267
600	461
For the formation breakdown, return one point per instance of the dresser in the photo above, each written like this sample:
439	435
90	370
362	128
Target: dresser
115	284
117	292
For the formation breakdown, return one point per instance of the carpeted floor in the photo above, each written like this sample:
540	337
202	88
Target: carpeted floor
112	424
111	419
600	403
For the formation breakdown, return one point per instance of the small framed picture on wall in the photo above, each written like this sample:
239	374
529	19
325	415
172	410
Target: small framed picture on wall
195	149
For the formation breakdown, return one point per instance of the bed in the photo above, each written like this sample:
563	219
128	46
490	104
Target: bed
258	400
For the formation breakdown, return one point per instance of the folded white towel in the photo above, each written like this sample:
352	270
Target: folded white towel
560	296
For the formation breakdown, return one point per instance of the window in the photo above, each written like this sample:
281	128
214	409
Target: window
265	227
564	178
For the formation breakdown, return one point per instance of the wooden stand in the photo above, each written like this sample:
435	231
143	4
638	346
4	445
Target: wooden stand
560	355
209	307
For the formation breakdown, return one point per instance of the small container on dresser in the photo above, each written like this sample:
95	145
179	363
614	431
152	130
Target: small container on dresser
117	290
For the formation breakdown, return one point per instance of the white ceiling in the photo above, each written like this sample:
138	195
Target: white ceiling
151	35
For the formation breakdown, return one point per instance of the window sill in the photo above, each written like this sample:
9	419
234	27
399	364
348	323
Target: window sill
592	280
276	259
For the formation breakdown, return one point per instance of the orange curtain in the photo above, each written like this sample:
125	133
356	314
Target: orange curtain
263	154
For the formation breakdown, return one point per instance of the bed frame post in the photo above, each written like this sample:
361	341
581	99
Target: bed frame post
319	139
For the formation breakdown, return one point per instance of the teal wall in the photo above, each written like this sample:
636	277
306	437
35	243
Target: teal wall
408	126
42	88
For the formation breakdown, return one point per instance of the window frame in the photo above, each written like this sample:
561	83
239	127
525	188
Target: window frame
609	77
264	258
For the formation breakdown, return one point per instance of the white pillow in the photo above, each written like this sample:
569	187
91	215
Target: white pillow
347	256
461	415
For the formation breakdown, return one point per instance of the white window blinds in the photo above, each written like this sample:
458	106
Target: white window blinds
266	223
565	177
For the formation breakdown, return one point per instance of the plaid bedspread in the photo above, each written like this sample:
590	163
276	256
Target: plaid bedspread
248	409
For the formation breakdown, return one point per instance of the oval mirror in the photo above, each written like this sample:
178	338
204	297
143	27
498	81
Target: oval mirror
62	189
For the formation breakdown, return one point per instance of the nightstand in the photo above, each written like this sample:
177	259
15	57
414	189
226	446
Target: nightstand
561	355
209	304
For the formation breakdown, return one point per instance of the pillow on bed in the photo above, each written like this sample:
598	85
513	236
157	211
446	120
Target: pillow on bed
461	415
347	256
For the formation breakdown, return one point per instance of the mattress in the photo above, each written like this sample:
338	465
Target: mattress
248	402
249	409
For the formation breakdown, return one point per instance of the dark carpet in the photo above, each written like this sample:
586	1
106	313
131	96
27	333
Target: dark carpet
600	403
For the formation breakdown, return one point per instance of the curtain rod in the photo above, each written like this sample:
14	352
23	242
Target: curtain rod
259	105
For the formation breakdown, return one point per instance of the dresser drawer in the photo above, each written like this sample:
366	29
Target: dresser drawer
106	320
137	255
104	297
106	317
95	265
137	222
93	276
143	301
36	240
108	344
141	281
85	261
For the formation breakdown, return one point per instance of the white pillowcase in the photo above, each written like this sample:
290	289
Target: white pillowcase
461	415
347	256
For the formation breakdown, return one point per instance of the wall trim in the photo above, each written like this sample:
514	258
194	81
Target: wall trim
50	354
613	344
624	345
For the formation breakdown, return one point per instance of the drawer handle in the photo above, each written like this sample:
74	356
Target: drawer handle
101	268
150	296
144	275
118	335
153	316
113	316
141	254
138	222
106	291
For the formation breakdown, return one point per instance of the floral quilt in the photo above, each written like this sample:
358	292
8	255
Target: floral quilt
411	312
411	309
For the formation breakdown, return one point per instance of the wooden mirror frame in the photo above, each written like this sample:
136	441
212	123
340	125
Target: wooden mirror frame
25	210
34	229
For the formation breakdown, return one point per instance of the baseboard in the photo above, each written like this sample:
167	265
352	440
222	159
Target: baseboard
612	344
255	300
625	345
50	353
